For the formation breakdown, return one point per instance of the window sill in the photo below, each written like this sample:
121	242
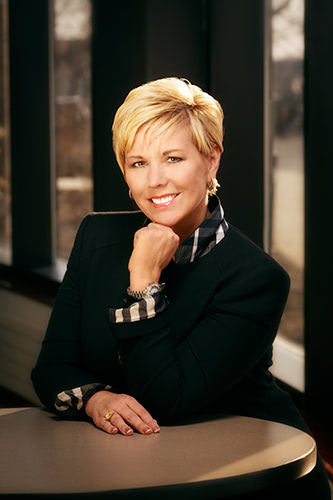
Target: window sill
39	284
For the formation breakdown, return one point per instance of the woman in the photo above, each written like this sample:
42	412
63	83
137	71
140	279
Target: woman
168	312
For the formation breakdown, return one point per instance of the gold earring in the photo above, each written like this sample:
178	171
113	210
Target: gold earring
130	194
212	186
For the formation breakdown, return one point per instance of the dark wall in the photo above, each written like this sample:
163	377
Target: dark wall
318	207
236	80
118	64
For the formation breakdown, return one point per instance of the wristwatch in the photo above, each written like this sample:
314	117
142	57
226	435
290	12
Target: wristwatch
150	290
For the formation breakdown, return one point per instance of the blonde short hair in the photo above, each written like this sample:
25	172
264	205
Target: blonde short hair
165	103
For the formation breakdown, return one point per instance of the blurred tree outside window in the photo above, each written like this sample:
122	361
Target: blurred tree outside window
72	91
287	156
5	173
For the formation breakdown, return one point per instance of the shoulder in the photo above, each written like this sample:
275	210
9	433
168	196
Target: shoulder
109	224
247	263
239	247
100	229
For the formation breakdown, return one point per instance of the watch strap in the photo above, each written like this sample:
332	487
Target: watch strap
150	290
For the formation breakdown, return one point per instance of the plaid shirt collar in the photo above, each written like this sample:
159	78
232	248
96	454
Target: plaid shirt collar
206	236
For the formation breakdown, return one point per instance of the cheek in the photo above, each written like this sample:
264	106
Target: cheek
193	173
199	176
132	181
136	185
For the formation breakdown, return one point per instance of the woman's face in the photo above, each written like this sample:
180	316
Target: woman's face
168	179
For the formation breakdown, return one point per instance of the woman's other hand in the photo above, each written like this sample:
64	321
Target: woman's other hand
154	247
128	414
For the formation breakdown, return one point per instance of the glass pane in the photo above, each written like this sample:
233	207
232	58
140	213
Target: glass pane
72	88
5	191
287	169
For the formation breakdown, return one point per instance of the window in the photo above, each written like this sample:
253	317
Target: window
285	172
72	85
48	170
5	190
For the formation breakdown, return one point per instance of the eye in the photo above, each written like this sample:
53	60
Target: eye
174	159
138	164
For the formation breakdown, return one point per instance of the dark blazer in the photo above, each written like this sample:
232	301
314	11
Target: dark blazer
209	352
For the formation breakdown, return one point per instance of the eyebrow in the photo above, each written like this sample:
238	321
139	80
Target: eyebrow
164	153
173	151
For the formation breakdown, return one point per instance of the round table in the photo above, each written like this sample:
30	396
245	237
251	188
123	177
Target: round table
217	458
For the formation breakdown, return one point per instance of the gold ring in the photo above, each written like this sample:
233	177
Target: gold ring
109	415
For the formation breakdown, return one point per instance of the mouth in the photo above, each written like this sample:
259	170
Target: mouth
163	201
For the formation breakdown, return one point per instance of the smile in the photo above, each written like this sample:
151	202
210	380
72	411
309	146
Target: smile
163	201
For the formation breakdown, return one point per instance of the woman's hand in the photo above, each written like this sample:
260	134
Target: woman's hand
154	247
129	414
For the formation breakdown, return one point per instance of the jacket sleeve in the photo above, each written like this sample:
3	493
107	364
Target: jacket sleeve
58	368
233	334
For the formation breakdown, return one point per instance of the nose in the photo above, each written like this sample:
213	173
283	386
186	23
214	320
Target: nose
157	176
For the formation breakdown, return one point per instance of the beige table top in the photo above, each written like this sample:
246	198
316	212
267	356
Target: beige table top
39	453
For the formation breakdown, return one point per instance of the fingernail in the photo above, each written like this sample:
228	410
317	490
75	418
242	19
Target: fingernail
129	431
156	427
114	430
147	430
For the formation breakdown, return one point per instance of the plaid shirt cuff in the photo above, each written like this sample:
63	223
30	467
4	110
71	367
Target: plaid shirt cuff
72	400
145	308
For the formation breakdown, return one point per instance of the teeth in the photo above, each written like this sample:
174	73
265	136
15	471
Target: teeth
165	199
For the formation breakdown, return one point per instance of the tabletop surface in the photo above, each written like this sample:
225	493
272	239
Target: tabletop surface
40	453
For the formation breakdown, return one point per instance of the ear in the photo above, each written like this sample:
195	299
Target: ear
214	162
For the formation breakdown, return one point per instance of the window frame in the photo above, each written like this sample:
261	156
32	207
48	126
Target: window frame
31	143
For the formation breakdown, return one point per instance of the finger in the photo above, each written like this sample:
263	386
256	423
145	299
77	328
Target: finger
107	426
144	415
147	420
121	425
132	413
138	424
112	429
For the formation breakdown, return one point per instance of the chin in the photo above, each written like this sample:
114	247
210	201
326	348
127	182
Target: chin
164	222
